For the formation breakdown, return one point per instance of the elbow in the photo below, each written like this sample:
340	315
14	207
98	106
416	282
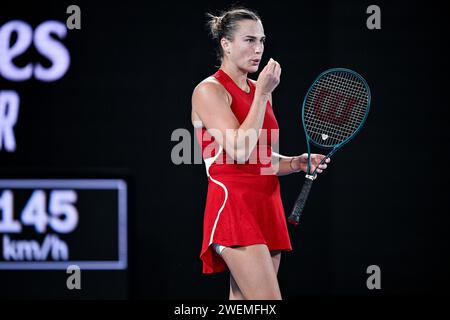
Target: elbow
236	151
238	155
241	149
241	156
246	154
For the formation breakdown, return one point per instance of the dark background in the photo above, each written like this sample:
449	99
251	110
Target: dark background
383	201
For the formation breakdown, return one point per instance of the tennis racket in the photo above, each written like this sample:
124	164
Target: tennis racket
334	111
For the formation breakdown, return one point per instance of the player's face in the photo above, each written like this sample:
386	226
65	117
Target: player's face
247	47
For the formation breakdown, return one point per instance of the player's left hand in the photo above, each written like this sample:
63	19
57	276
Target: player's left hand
301	162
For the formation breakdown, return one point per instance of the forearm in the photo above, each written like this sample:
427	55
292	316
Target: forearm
284	166
246	136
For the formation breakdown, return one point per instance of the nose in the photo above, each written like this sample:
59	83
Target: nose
259	48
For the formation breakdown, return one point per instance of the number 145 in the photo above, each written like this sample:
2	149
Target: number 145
61	216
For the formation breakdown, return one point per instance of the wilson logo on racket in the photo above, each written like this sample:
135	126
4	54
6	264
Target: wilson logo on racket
334	110
333	107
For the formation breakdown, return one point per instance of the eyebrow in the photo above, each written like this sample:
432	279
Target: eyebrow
252	37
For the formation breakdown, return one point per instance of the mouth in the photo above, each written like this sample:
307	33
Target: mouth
255	61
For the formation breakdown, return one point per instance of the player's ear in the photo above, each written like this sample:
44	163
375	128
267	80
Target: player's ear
225	43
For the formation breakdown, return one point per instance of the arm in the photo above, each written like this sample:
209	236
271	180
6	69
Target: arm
288	165
283	165
210	102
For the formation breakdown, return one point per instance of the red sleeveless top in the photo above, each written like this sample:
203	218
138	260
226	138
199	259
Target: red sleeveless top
243	204
240	105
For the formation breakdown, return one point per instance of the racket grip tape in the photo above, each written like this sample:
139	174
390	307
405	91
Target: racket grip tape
294	218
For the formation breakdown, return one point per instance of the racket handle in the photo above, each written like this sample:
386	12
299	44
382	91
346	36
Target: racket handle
297	211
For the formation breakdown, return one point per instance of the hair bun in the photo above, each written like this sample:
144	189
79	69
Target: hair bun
215	25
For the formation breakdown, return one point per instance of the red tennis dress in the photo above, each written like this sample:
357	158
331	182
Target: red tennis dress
243	203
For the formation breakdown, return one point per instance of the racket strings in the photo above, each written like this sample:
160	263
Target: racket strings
333	98
335	108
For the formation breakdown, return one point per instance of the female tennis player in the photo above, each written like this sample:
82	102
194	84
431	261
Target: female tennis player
244	229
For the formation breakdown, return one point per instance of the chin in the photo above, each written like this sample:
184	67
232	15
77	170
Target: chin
252	69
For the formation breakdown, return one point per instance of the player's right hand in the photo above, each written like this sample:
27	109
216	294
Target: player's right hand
269	78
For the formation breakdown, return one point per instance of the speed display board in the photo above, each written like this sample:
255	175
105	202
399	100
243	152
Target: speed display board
50	224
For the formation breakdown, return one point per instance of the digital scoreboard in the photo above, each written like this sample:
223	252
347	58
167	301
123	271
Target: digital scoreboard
51	224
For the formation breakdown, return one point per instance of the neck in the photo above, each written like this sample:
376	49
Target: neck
238	76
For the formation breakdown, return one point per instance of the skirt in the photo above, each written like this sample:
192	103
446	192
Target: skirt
242	208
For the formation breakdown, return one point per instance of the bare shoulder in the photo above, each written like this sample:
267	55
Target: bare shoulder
207	91
208	88
209	84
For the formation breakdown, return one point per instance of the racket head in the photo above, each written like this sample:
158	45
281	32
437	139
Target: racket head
335	108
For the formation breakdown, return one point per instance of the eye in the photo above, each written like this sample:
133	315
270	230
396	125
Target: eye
250	40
